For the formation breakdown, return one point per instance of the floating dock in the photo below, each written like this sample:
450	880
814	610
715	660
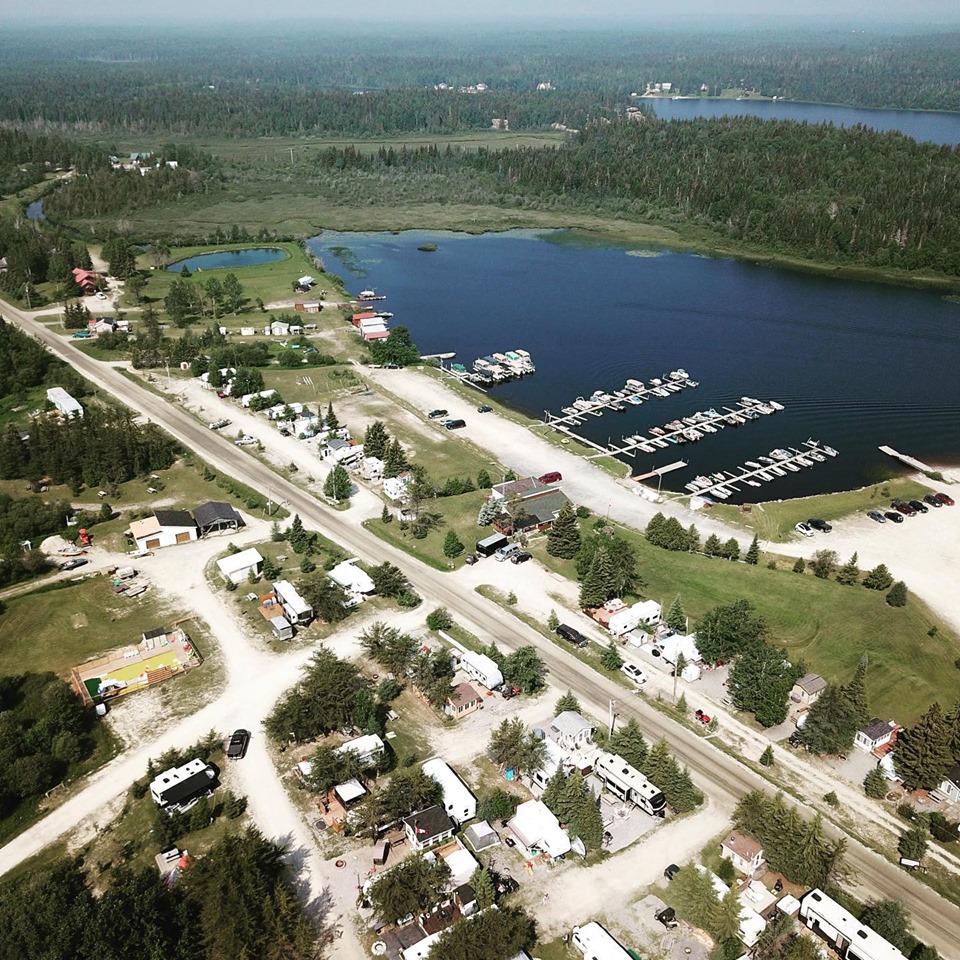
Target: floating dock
909	461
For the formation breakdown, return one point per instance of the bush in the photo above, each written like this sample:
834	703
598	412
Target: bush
832	799
439	619
388	690
409	599
875	784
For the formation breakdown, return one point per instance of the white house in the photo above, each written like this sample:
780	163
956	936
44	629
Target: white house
743	851
395	488
164	529
458	801
843	931
595	943
340	451
571	731
950	785
807	689
63	402
349	576
237	566
278	329
296	609
427	828
537	829
372	468
877	733
368	749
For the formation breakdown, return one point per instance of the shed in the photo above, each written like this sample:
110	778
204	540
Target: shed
282	628
481	835
458	801
350	791
165	528
237	566
215	517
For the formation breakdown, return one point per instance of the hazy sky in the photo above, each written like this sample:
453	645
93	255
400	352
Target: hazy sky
864	13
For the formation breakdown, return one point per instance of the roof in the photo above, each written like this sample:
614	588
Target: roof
481	835
520	488
455	791
349	791
811	683
543	508
537	828
429	823
866	942
351	577
742	844
154	633
144	528
337	444
462	694
570	724
239	561
214	512
877	729
953	775
174	518
362	746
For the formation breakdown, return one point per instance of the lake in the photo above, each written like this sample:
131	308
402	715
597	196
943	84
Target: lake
943	128
253	257
855	364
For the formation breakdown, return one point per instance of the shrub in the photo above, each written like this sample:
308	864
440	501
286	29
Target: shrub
439	619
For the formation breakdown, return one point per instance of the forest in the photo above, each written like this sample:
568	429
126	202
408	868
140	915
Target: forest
242	82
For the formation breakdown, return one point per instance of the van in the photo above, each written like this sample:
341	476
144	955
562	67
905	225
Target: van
505	553
455	424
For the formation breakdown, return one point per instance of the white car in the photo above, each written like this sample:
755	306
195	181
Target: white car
805	529
246	441
101	295
634	673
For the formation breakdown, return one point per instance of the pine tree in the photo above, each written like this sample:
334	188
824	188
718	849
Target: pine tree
676	617
953	726
713	547
597	587
913	843
725	917
489	511
394	460
375	440
857	692
563	539
483	480
875	784
878	578
566	702
452	545
767	758
553	621
731	549
923	755
330	421
800	566
629	742
849	573
587	824
693	539
897	597
610	659
385	515
831	723
482	884
753	554
338	484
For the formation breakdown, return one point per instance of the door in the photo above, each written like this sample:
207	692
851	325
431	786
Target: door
183	537
153	544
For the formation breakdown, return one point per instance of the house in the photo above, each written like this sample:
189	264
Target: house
571	731
380	333
165	528
462	701
87	280
175	788
215	517
538	831
427	828
950	785
103	326
341	451
531	513
349	576
63	402
368	749
395	488
743	851
518	489
358	318
295	608
238	566
458	801
371	468
877	733
843	931
807	689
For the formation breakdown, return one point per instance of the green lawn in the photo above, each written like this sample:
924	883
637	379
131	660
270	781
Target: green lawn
826	625
775	521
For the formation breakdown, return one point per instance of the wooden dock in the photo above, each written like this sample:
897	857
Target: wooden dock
660	471
909	461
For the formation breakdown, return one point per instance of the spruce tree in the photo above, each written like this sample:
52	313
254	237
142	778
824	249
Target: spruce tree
394	460
831	723
953	726
676	617
713	547
482	884
849	573
897	597
800	566
693	539
913	843
753	554
596	588
629	742
586	823
767	758
878	578
610	659
483	480
563	540
923	754
375	440
875	784
553	621
338	484
654	527
567	702
385	515
856	692
330	421
731	549
452	545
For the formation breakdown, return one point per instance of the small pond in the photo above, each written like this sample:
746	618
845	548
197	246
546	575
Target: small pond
253	257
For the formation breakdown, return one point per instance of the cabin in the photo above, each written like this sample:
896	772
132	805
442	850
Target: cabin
462	701
427	828
570	731
166	528
806	691
216	517
64	403
237	567
876	734
743	851
458	801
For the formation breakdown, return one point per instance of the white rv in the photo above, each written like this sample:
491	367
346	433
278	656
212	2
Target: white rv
481	668
595	943
629	784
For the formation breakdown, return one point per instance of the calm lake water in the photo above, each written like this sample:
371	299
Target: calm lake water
855	364
230	258
936	127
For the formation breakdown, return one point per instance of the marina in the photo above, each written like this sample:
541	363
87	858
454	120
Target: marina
779	463
494	368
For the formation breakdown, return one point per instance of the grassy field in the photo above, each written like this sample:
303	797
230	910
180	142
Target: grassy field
776	520
823	623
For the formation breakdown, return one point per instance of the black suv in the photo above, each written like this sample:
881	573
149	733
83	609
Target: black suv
918	505
239	742
820	525
574	636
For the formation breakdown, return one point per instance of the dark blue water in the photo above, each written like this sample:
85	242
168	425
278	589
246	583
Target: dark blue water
231	259
855	364
943	128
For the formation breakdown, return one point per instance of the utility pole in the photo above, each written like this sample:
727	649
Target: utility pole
613	715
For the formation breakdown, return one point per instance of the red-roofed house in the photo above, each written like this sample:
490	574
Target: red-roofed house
86	280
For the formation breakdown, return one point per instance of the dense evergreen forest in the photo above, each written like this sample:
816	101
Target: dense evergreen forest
250	83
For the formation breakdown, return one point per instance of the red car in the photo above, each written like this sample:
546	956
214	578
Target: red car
944	499
702	717
552	477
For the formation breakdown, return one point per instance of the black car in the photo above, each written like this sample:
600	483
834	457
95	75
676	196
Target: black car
74	563
521	557
903	507
894	516
455	424
483	408
671	871
820	525
918	505
436	414
237	748
668	917
932	500
574	636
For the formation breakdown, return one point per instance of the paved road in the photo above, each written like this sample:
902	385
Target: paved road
935	920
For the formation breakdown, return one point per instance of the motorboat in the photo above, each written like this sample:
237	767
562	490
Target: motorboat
776	406
752	483
777	471
752	463
634	399
819	457
582	404
657	431
693	383
766	459
780	454
830	452
635	384
763	475
749	400
792	467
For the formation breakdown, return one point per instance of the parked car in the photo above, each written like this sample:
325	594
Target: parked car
702	717
876	515
436	414
668	917
508	693
632	671
894	516
455	424
918	505
903	507
521	556
571	634
470	559
944	499
237	748
101	295
554	476
220	424
803	529
74	563
245	441
820	525
483	408
933	501
671	871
